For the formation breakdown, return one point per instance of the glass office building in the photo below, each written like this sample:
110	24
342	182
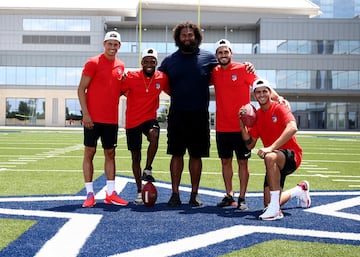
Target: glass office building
312	57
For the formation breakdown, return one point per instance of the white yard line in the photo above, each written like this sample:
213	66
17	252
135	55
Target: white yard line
73	234
221	235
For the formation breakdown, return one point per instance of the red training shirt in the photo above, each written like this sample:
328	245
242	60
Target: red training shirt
103	92
232	90
270	125
143	96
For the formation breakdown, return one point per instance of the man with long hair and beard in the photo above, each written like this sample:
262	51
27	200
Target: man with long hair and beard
189	71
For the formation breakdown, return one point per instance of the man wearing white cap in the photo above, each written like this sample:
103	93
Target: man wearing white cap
142	89
232	84
276	127
99	91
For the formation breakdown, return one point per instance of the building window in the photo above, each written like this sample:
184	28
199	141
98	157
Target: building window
327	47
25	111
56	25
40	76
73	113
319	79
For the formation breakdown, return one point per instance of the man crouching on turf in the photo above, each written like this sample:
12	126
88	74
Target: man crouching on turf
282	155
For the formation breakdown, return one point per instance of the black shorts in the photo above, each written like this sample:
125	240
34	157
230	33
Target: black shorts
108	133
189	130
228	142
134	135
289	167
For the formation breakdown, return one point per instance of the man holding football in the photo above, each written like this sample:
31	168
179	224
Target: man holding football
142	89
282	155
232	84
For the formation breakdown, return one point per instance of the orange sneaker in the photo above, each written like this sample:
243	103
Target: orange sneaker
115	199
90	200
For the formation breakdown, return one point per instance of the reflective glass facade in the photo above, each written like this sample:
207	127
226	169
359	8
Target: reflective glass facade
43	55
25	111
40	76
351	47
338	8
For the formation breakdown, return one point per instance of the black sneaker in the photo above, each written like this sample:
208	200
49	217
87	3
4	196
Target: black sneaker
174	200
242	206
195	200
228	200
147	176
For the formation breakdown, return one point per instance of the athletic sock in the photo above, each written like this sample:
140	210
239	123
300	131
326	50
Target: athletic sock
89	187
110	186
274	199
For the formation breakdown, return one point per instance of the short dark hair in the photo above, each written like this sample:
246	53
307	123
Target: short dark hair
190	25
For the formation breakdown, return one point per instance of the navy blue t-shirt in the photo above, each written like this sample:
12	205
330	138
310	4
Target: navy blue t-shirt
189	78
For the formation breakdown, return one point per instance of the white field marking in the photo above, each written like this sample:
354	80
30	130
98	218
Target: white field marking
14	162
26	148
23	160
325	171
82	222
354	185
316	168
344	139
221	235
296	174
332	209
345	180
317	153
334	161
73	234
30	158
31	142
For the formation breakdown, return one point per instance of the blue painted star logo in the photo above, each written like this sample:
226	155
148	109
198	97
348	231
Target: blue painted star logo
64	228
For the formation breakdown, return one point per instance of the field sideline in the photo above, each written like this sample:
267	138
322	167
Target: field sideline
46	162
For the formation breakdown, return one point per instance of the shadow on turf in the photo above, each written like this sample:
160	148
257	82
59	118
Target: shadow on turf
76	207
184	209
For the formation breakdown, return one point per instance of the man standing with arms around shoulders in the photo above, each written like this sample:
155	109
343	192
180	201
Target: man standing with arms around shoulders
281	153
189	70
142	89
232	84
99	91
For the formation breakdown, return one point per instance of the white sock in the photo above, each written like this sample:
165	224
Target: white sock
295	191
89	187
274	200
110	186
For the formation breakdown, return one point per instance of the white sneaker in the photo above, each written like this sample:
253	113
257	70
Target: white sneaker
271	214
304	198
147	176
138	199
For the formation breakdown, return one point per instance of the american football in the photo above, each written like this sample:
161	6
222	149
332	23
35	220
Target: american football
248	115
149	194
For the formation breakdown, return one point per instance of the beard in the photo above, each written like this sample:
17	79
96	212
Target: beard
188	48
149	74
224	62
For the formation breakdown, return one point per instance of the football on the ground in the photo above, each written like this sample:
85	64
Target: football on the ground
248	115
149	194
